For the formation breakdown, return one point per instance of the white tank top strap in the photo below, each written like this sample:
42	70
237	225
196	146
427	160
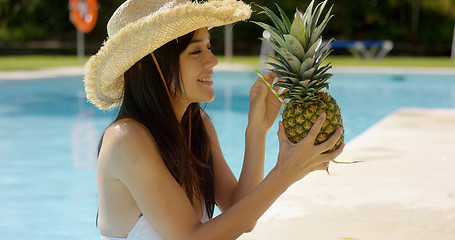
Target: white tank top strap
143	231
111	238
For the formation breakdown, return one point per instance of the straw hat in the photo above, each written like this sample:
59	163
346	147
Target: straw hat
138	27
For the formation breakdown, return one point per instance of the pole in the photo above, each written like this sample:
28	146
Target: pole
265	51
228	43
453	44
415	18
80	47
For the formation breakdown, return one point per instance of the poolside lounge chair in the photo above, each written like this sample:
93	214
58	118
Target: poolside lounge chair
360	48
365	48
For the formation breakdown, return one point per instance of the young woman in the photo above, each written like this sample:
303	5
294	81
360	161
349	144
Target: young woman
160	166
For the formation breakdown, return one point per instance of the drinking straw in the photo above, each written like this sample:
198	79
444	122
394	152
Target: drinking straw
270	86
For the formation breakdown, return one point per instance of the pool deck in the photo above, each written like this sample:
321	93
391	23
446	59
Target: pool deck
404	188
79	70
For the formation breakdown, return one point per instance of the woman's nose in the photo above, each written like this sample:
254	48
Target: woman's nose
212	61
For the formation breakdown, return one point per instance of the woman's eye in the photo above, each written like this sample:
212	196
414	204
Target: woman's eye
199	51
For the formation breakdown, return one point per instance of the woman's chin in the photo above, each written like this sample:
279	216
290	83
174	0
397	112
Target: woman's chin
208	98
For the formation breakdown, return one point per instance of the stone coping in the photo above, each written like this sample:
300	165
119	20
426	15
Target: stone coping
403	189
79	70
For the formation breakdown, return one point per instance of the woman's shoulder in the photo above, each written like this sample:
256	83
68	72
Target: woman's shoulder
206	120
127	137
126	129
210	128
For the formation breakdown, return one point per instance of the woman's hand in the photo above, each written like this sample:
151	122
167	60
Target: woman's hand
264	105
297	160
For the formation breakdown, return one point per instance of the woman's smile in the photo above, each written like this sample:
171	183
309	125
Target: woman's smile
206	81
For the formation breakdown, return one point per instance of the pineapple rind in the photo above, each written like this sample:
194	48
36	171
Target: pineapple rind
299	118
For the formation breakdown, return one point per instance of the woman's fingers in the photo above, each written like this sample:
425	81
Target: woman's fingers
329	143
270	77
323	165
278	89
326	158
258	91
332	155
283	91
315	128
282	137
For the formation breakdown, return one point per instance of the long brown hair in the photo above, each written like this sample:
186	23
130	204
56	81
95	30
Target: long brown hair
146	100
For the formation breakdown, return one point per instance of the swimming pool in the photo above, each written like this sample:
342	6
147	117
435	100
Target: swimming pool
49	133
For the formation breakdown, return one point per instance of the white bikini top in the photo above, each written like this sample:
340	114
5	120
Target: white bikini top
143	231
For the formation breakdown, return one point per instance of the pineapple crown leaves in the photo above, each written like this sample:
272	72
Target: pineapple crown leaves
300	51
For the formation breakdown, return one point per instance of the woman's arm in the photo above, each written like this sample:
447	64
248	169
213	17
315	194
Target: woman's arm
264	109
139	166
228	190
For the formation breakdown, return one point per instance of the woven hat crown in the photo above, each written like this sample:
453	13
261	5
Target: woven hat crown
133	10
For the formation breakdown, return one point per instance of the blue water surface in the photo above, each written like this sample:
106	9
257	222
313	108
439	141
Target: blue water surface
49	135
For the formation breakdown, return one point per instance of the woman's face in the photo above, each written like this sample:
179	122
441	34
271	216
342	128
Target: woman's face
196	69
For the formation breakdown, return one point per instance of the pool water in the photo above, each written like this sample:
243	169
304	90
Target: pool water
49	134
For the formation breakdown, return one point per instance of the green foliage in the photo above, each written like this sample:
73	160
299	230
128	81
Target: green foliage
417	22
8	63
398	20
32	19
23	20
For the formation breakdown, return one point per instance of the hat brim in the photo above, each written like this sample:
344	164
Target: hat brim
104	71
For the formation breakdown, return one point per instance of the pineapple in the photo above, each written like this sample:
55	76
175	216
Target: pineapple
300	52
